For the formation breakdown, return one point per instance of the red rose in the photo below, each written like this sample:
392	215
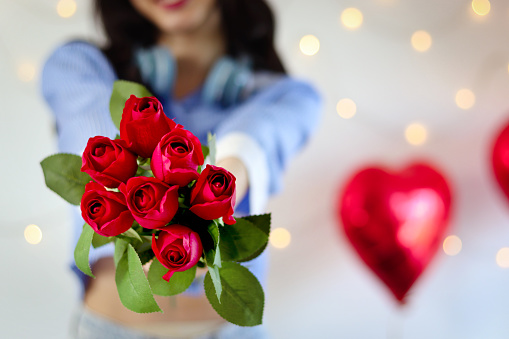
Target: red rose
105	211
213	195
177	248
143	124
108	161
152	202
177	157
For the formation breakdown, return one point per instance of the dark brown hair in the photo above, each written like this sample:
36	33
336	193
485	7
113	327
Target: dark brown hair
248	26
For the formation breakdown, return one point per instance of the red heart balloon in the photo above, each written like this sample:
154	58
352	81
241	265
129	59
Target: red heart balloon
396	221
500	160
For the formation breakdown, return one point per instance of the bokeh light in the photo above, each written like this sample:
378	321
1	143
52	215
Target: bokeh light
66	8
346	108
416	134
26	71
309	44
503	257
452	245
465	98
481	7
421	41
351	18
280	238
33	234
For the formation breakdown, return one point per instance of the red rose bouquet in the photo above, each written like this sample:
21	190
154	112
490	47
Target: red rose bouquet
149	193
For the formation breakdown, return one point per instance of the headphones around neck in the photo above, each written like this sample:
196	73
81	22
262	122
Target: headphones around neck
226	83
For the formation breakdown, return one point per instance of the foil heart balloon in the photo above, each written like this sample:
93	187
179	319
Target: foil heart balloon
396	221
500	160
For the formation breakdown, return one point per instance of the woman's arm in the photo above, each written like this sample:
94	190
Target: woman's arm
265	132
77	81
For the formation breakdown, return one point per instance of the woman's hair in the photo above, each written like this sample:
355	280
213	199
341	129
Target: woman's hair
248	26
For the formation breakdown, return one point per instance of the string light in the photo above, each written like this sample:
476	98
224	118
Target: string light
452	245
346	108
309	44
280	238
481	7
416	134
421	41
465	98
26	71
351	18
503	257
66	8
33	234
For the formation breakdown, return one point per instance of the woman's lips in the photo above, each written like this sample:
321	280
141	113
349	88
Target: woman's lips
172	4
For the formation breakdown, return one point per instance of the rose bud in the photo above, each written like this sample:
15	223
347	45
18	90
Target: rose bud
177	248
176	158
108	162
213	195
105	211
152	202
143	124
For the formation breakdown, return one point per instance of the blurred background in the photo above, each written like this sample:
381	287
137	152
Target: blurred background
401	80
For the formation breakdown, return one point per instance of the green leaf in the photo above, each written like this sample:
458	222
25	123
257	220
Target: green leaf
213	256
262	222
146	256
241	240
216	280
205	151
99	240
130	234
117	136
179	282
122	90
120	248
132	284
144	250
83	249
211	140
242	300
62	173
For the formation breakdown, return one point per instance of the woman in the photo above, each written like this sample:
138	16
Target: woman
177	48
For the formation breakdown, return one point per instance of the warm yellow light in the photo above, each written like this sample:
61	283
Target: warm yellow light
507	67
503	257
280	238
309	44
66	8
416	134
452	245
465	98
351	18
481	7
421	41
26	71
33	234
346	108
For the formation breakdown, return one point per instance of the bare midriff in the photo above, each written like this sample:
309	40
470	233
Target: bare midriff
102	298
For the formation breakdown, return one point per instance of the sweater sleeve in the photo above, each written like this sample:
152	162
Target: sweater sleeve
77	81
267	130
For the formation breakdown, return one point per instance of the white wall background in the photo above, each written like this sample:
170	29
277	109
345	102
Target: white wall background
318	288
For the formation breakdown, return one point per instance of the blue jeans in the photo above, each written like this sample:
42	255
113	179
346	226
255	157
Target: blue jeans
87	325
